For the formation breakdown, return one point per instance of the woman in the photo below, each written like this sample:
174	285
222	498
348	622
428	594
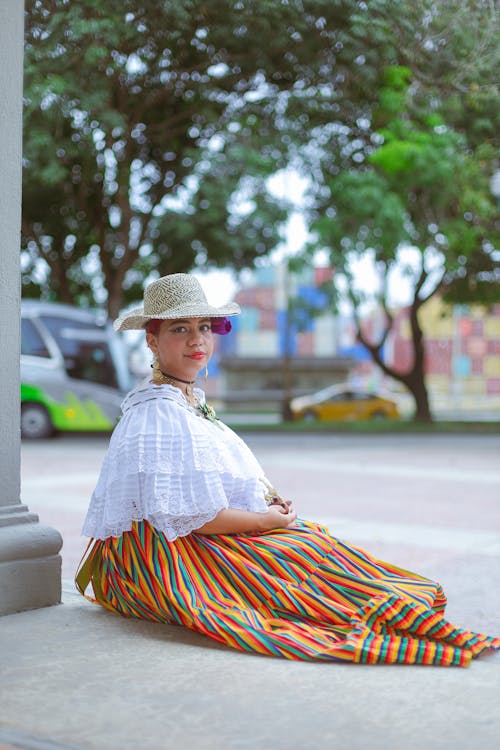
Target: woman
185	527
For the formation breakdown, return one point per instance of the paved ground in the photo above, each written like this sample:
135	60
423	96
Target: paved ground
79	677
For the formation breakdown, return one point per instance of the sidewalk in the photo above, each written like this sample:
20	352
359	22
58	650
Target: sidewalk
75	677
84	678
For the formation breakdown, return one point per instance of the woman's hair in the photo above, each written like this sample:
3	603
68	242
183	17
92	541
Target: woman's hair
153	326
219	325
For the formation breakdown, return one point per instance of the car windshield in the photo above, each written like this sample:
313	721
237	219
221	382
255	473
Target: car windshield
85	349
327	393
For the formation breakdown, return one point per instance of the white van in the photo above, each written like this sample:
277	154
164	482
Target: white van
74	370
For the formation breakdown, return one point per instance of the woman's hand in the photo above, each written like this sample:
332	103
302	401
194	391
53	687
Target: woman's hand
278	516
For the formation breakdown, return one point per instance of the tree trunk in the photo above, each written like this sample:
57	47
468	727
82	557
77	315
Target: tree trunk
415	382
114	281
414	378
115	300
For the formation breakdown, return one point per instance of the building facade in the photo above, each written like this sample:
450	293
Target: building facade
462	345
286	317
285	340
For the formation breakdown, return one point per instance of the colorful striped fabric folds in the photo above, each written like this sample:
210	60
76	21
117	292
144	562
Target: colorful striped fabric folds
297	593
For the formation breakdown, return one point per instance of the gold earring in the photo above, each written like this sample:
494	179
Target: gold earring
157	373
205	376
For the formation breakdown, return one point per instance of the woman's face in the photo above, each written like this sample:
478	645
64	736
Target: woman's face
183	346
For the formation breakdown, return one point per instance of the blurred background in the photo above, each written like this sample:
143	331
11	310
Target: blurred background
334	167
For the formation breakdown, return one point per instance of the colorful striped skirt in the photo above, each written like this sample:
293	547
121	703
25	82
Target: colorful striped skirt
297	593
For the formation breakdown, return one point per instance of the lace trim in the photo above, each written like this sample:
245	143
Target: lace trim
171	527
166	505
171	469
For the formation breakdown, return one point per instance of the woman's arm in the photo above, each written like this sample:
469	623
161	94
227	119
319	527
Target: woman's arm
233	521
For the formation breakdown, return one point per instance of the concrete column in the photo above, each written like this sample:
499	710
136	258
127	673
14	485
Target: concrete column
30	566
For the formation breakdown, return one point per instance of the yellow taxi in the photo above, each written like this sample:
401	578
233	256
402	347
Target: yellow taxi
341	403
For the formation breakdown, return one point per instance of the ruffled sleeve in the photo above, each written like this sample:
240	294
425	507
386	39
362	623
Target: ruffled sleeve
171	467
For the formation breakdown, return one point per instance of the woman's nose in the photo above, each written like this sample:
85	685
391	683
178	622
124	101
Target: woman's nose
195	337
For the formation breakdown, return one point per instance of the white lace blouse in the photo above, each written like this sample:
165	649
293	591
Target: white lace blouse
169	465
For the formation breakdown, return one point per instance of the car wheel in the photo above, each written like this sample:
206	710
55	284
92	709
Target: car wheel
35	422
379	415
309	416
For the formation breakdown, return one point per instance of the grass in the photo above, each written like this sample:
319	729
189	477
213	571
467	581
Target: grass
388	427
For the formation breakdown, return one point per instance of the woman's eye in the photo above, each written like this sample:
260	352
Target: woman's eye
205	327
180	329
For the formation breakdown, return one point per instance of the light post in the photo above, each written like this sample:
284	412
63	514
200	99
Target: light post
286	413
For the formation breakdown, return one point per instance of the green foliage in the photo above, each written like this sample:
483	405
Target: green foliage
144	122
150	129
414	169
421	185
362	215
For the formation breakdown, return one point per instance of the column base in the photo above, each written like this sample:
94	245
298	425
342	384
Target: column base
30	566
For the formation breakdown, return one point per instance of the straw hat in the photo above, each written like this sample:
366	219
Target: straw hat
178	295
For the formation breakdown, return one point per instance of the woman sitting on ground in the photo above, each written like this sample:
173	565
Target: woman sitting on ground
185	527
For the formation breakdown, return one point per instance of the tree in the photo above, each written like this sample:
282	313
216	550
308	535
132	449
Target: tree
411	167
420	186
148	124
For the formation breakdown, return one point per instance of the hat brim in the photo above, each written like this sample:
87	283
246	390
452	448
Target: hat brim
136	319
